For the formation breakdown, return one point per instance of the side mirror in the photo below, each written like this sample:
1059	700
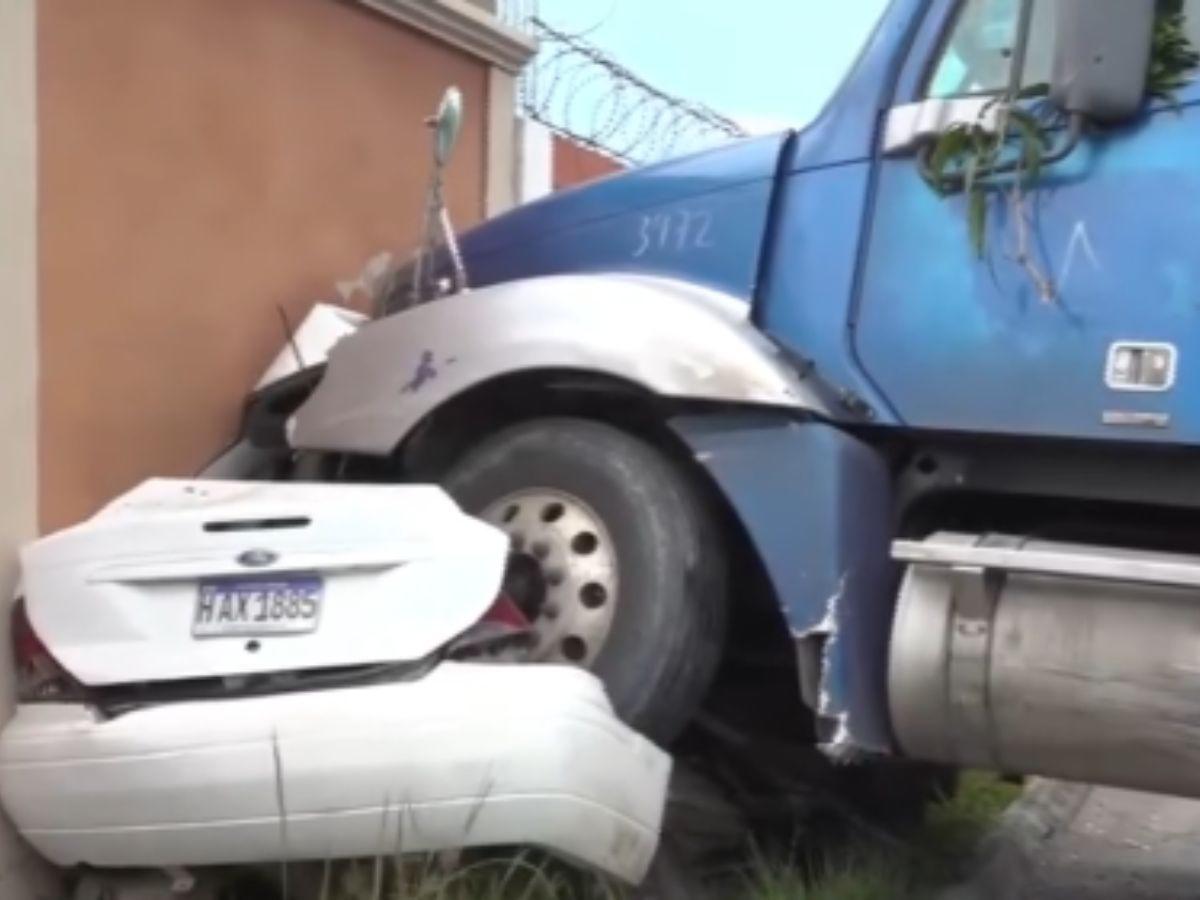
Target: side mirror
426	284
447	124
1102	57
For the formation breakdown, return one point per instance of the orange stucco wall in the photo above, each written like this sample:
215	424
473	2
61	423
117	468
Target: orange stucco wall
575	164
202	162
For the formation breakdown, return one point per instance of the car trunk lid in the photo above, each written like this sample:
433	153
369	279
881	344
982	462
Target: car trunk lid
187	579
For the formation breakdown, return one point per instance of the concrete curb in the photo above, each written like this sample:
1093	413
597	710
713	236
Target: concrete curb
1008	856
1078	842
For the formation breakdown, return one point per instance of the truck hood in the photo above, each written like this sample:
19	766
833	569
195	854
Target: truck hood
713	203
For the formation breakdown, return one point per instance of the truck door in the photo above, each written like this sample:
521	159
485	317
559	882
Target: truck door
958	342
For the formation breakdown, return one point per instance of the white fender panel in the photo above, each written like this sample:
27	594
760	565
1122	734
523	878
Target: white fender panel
323	327
673	338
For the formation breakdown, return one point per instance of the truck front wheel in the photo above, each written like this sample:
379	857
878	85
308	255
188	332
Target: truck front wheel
616	559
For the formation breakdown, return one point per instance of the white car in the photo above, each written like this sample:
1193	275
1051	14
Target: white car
216	672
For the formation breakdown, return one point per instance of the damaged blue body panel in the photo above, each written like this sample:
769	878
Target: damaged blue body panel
816	503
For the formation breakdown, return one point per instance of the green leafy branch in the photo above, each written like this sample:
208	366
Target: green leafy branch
1005	148
966	156
1173	57
982	157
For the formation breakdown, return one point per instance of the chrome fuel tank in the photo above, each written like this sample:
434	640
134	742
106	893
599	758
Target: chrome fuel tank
1070	661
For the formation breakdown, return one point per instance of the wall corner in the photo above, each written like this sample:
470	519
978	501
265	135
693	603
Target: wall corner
23	875
501	178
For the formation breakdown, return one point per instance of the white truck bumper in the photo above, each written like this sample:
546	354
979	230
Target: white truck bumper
469	755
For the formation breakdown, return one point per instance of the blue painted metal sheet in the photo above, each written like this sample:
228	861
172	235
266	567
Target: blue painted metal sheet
816	503
701	218
810	281
966	344
806	298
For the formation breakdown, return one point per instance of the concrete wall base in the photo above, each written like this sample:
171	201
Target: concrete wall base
23	876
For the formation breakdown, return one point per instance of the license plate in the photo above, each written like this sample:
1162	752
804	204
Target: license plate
289	604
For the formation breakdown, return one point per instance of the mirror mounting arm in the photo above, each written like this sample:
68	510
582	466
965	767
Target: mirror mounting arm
446	125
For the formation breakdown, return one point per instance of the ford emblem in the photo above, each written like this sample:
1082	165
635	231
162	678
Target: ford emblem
257	558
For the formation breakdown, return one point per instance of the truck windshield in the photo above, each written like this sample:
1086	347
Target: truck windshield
977	55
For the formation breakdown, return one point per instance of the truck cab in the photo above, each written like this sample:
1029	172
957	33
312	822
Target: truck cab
848	258
905	400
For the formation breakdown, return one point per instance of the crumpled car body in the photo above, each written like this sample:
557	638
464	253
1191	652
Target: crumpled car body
216	673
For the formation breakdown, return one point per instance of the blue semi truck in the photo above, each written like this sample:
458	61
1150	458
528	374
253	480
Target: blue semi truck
882	432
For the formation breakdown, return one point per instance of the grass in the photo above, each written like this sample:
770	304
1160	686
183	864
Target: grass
520	878
525	876
861	876
916	867
935	856
955	826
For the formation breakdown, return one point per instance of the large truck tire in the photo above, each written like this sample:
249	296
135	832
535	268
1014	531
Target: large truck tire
618	559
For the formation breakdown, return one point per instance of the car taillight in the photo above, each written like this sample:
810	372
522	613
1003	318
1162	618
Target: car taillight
502	630
506	613
39	676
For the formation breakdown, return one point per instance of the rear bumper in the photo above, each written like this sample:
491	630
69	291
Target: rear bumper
470	755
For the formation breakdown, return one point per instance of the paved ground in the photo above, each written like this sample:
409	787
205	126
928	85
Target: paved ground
1072	842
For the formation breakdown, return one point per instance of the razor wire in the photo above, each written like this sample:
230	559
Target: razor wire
576	89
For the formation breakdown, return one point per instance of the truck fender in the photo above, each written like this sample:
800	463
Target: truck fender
675	339
815	503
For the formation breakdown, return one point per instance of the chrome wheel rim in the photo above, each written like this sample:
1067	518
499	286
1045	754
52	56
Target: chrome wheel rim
570	548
